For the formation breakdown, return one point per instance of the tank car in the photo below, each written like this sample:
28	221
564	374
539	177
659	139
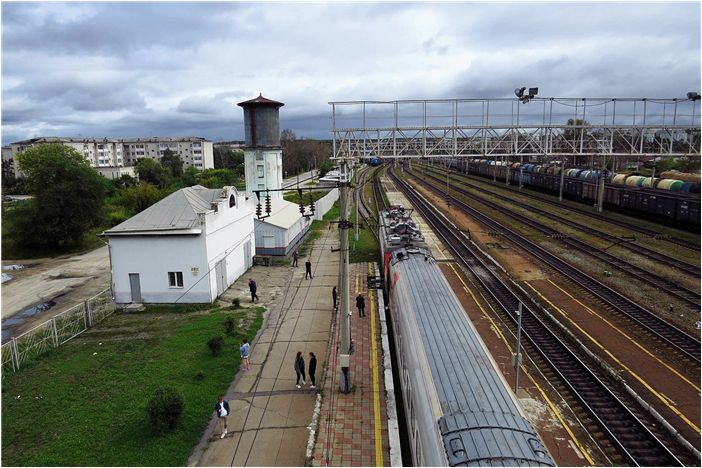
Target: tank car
459	409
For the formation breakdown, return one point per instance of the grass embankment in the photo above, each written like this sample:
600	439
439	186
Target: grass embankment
84	403
294	196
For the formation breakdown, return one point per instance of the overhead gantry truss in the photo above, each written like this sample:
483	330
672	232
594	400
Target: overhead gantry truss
497	128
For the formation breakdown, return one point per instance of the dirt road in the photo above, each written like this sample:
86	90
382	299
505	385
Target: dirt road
66	280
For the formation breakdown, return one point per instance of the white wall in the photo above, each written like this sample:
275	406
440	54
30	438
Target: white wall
324	204
207	155
153	257
272	162
227	231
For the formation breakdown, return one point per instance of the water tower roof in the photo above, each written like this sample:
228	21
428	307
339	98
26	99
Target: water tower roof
261	101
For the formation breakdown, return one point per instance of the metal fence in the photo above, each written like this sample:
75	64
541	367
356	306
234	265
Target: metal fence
56	331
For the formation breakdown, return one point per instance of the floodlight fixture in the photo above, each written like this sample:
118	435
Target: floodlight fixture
693	96
533	92
519	92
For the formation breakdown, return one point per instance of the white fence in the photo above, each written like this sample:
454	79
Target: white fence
325	203
56	331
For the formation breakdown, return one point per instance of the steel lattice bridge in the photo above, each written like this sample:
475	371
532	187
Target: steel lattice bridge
529	127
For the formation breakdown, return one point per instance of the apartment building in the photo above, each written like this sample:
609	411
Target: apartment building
193	151
107	155
100	152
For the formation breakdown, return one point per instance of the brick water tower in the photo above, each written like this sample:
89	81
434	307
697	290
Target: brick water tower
263	155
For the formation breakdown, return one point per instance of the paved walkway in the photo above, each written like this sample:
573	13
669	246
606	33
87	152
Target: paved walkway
269	420
353	429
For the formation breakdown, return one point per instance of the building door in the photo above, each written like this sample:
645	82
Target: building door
247	255
135	286
221	274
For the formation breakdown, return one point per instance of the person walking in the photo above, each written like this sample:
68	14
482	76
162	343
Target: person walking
308	269
295	257
252	288
361	305
312	369
222	411
300	369
334	296
244	350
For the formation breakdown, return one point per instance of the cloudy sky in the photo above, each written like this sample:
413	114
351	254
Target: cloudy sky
169	69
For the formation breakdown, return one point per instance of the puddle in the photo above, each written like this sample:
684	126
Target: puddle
10	325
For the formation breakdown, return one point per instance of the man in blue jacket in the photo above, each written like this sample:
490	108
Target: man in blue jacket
222	411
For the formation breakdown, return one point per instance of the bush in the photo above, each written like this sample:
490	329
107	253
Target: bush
229	326
199	376
215	345
236	303
165	409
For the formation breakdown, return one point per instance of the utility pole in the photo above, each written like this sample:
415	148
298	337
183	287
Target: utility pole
356	196
345	329
560	186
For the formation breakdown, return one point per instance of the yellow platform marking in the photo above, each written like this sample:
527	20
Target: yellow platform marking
376	386
551	405
633	341
661	397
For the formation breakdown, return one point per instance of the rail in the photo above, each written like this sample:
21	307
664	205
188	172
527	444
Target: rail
632	438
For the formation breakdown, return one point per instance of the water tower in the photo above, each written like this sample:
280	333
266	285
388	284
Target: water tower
263	156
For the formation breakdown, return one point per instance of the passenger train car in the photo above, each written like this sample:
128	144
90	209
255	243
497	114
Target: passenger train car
459	409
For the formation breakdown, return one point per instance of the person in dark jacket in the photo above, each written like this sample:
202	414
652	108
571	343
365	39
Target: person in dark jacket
222	411
308	269
295	257
361	305
300	369
334	296
252	288
312	369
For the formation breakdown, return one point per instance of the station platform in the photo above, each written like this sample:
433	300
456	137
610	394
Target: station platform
272	422
353	427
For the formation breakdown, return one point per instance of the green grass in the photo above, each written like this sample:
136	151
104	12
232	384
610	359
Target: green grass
84	403
294	197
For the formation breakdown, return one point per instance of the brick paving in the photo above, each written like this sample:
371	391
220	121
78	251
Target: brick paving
347	426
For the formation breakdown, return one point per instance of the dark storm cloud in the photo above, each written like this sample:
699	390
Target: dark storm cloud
140	69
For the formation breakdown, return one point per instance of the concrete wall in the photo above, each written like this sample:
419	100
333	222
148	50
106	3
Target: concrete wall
152	257
324	204
271	174
227	232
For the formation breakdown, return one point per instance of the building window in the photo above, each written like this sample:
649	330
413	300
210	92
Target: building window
259	170
175	279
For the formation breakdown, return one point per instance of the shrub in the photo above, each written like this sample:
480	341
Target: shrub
215	345
229	326
165	409
236	302
199	376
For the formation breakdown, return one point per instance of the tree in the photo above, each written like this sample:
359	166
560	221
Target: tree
190	176
152	172
137	199
217	178
172	163
68	198
226	158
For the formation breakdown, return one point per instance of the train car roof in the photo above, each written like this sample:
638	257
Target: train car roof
482	424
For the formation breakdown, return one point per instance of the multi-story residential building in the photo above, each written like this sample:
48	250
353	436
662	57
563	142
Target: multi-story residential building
106	155
193	151
8	161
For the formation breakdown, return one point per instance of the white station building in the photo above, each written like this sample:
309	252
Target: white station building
187	248
279	231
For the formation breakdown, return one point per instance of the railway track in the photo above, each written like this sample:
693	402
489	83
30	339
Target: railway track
676	339
674	289
600	217
635	443
659	257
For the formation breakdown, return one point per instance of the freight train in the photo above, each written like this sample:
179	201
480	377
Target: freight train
658	200
458	406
